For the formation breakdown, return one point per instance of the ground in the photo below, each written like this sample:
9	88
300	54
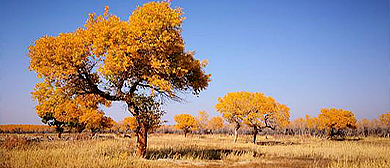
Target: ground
170	150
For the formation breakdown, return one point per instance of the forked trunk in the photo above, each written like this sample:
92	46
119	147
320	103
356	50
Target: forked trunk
142	139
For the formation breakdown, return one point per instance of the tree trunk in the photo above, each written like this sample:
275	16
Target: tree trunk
59	129
254	136
142	139
185	133
236	134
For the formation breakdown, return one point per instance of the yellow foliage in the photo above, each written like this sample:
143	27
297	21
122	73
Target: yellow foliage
385	119
253	109
117	60
215	123
82	109
202	119
24	128
130	123
300	123
311	122
185	122
149	46
336	119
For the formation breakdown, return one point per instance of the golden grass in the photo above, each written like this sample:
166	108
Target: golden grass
202	151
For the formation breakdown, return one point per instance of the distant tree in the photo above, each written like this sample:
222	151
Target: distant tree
385	120
202	120
96	121
312	124
185	122
336	120
254	109
364	126
123	60
299	125
215	123
265	112
130	123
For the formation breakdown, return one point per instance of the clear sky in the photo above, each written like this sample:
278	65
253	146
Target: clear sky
307	54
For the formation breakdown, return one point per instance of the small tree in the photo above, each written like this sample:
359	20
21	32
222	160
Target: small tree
385	120
264	112
185	122
96	121
336	120
215	123
312	124
202	120
299	125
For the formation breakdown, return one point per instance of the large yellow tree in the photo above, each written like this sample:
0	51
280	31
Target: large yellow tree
130	61
336	120
253	109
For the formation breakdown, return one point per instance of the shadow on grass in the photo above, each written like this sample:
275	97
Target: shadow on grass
345	139
206	154
272	143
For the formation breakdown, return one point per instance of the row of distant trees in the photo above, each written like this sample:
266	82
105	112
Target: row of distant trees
184	122
336	124
330	123
25	128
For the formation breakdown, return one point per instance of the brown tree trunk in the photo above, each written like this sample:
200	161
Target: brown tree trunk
185	133
236	132
59	129
254	135
142	139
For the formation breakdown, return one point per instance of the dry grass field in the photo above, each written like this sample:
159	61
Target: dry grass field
195	151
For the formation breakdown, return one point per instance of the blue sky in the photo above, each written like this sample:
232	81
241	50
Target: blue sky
307	54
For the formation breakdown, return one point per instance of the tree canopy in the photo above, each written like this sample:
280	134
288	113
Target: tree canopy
334	120
113	60
385	119
186	122
253	109
202	120
215	123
